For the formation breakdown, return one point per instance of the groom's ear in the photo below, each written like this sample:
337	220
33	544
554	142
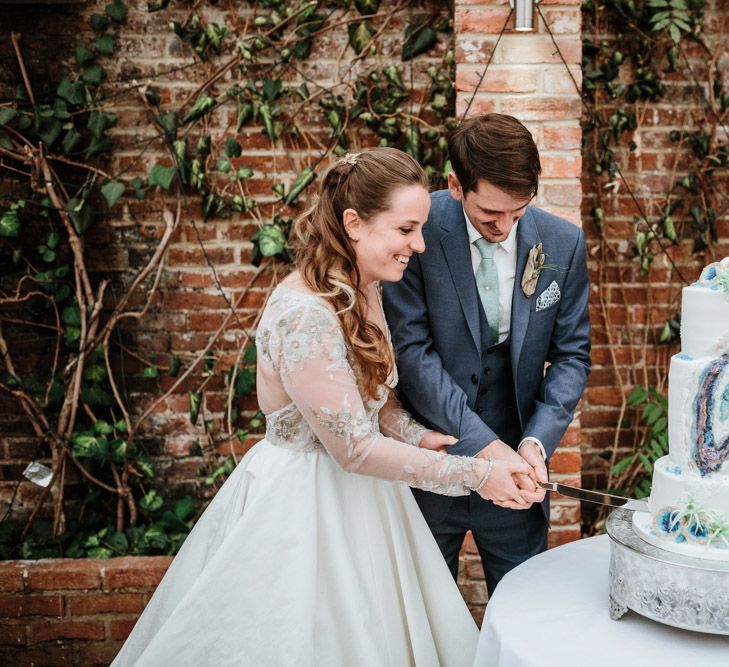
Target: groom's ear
352	223
454	185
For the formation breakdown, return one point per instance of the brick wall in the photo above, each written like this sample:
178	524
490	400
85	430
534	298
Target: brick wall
80	618
628	309
72	612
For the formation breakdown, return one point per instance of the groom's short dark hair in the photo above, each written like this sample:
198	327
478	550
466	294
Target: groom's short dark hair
496	148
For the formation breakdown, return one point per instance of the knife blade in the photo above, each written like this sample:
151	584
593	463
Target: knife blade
596	497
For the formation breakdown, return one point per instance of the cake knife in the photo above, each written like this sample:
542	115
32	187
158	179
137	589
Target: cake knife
596	497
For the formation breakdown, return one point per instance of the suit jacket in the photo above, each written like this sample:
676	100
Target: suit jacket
433	314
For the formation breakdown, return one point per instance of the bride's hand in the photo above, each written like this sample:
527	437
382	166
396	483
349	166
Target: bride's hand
436	442
500	486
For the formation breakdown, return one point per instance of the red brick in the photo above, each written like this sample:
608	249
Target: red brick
102	603
45	656
562	194
479	106
54	575
135	571
12	635
498	80
482	20
564	513
11	577
12	606
41	632
563	137
565	461
561	166
120	630
100	654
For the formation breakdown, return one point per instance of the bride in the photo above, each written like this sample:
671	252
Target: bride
314	552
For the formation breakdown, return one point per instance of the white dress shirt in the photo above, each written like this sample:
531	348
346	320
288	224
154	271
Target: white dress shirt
505	260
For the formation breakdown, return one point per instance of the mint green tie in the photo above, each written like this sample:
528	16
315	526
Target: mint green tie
487	281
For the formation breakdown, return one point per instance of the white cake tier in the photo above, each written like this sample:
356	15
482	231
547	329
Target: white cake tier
704	321
680	496
644	526
673	485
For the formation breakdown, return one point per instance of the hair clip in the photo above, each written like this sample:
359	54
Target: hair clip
351	158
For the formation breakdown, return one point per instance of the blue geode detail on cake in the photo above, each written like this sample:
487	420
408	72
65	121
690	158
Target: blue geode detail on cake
708	453
667	522
690	523
684	356
673	469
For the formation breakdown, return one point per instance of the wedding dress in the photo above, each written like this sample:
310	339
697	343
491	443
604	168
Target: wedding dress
314	553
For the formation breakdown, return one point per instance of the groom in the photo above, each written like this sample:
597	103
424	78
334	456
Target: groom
491	330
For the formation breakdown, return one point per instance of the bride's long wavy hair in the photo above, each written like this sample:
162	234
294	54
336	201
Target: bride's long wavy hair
327	259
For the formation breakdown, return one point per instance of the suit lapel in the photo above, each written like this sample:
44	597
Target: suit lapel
457	252
526	236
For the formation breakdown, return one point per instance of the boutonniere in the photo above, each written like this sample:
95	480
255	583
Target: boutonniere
534	266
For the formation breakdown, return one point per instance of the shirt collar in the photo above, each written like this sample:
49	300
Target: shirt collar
508	244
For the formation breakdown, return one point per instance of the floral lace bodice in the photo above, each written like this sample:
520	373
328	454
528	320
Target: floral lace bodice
307	385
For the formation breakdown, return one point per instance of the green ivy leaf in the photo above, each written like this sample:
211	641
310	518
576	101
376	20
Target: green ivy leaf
367	6
6	115
150	372
161	176
49	129
168	122
418	41
184	508
157	5
360	35
271	240
99	123
151	501
304	179
99	552
116	11
104	44
233	148
195	402
102	427
73	93
70	140
99	22
93	74
174	369
112	190
83	55
201	107
86	445
9	224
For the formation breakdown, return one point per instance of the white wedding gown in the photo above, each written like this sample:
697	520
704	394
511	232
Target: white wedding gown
308	556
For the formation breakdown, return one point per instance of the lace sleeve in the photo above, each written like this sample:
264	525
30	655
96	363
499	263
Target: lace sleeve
398	423
308	350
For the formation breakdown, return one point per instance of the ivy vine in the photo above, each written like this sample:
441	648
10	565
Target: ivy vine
60	154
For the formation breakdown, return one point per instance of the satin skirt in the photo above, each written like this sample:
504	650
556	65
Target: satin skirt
298	562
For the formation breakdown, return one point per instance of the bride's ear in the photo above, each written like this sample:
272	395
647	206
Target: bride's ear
352	223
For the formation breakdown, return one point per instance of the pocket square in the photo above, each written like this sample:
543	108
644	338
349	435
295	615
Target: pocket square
549	296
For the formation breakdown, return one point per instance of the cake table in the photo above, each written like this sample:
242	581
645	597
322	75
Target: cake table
552	611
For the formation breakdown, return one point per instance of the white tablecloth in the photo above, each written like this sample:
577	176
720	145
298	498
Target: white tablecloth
552	611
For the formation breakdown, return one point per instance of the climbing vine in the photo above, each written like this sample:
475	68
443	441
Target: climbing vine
68	351
634	53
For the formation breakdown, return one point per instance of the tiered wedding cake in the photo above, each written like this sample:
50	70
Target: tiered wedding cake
689	500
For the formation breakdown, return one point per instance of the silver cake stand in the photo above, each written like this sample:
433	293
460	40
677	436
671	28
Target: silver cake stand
685	592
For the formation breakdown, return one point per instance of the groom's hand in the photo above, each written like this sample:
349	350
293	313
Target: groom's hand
499	450
532	454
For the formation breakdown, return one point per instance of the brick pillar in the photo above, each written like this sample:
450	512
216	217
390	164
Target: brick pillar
527	79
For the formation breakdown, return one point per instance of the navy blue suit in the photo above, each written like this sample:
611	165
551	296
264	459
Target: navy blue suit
456	379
